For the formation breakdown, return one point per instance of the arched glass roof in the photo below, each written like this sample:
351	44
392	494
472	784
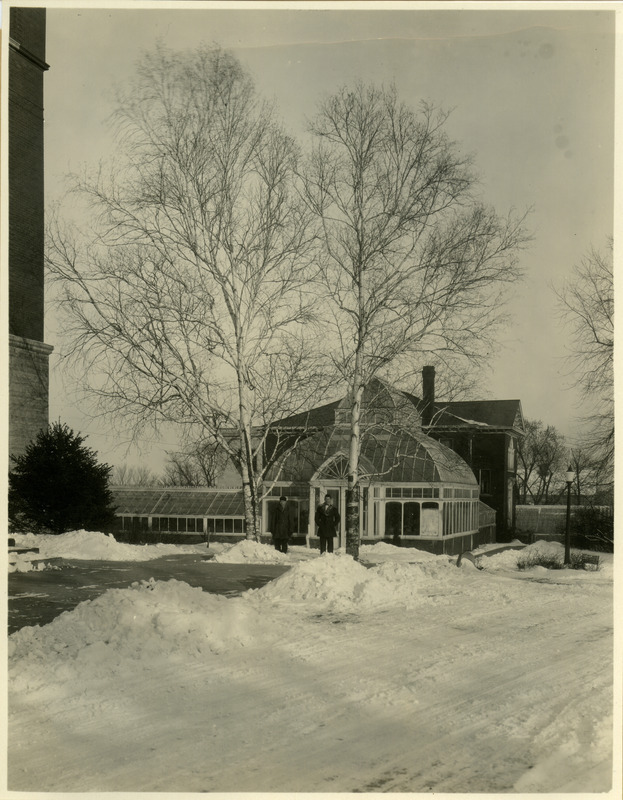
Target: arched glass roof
389	454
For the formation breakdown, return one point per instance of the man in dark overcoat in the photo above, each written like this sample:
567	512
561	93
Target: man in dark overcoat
282	527
327	519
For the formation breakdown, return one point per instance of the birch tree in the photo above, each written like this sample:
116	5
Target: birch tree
186	295
415	264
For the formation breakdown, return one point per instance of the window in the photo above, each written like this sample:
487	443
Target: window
402	519
411	524
364	510
393	519
430	523
511	456
485	481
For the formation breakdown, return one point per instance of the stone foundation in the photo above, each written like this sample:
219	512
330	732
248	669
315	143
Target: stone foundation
28	391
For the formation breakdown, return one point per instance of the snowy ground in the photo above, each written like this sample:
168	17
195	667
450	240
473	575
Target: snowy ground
411	675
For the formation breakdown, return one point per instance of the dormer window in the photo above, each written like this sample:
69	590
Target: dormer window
342	416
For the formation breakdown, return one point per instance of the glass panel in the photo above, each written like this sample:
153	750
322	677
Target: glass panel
417	492
237	526
229	526
393	519
181	524
218	526
190	525
411	519
200	525
270	506
210	523
428	492
303	515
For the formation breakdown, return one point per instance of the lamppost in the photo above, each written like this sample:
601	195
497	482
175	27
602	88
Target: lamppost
569	477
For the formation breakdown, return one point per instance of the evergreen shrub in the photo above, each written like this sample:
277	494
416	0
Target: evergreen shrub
57	485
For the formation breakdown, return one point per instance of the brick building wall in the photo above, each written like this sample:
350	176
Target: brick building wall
28	355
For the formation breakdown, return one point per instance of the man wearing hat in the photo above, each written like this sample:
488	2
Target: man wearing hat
282	525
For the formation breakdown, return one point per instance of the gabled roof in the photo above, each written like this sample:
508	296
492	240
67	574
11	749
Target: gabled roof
456	414
319	417
479	413
378	394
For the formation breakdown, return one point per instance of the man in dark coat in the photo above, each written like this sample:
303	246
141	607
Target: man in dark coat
327	519
281	525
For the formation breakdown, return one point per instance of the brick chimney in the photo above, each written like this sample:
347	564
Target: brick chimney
428	394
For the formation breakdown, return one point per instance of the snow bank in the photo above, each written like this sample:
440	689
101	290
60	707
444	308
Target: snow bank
250	552
383	551
508	559
150	621
96	546
22	563
338	583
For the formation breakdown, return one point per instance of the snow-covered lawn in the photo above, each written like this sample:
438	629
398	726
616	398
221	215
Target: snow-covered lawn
409	675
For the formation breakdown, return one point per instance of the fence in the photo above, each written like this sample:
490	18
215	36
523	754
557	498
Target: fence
486	524
546	522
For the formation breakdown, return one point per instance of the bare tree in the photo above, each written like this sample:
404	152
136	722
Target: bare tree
200	465
542	456
415	264
125	475
582	465
188	299
587	307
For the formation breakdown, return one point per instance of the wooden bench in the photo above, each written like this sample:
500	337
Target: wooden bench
590	561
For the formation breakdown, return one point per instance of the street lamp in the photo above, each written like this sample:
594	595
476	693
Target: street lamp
569	478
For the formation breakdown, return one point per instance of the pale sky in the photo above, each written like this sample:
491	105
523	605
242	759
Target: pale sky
532	94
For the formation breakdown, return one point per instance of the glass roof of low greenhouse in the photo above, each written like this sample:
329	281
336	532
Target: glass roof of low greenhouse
173	502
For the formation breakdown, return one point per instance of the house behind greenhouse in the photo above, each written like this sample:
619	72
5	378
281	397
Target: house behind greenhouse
414	490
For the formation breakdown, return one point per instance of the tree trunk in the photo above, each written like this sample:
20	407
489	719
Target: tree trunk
352	519
352	492
249	506
249	487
